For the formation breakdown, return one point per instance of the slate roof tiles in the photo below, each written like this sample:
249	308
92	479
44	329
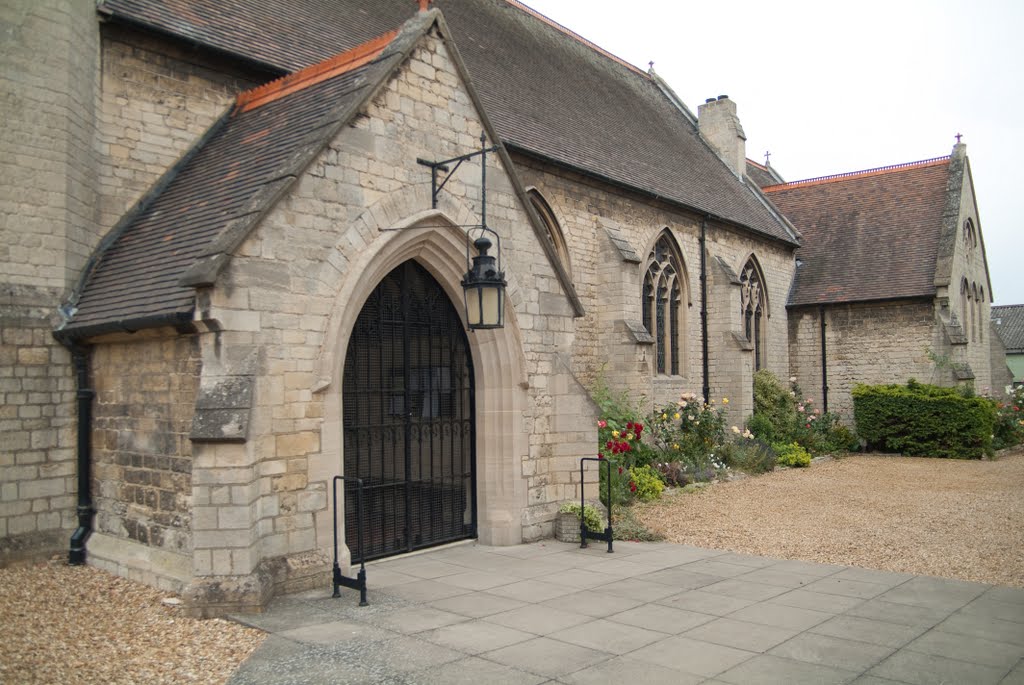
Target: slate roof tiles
230	177
547	92
1009	322
869	235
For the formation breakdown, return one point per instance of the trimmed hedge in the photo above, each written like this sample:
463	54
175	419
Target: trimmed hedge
924	420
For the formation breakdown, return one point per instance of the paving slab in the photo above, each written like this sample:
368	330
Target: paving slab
553	613
766	669
927	669
848	655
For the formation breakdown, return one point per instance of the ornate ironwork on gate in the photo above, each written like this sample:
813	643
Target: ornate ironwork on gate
408	419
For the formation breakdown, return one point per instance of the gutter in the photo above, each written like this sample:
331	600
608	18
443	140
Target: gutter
84	396
824	360
706	389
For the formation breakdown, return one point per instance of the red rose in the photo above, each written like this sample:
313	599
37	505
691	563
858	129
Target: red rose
608	445
600	456
632	486
620	469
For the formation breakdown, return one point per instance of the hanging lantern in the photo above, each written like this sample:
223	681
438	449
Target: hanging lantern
484	286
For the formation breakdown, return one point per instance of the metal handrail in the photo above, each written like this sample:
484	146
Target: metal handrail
584	531
359	582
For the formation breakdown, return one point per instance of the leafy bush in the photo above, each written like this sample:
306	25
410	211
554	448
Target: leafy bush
689	432
748	455
775	413
792	454
645	484
1008	430
591	516
784	415
924	420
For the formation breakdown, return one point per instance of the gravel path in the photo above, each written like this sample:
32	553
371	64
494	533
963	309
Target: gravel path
940	517
77	624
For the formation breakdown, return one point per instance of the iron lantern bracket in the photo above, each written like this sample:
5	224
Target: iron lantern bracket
442	166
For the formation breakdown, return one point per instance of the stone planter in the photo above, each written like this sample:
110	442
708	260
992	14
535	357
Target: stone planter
567	527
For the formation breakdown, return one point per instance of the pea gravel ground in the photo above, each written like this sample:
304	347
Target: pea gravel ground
957	519
77	624
939	517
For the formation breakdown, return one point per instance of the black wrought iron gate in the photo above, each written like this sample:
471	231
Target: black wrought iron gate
408	418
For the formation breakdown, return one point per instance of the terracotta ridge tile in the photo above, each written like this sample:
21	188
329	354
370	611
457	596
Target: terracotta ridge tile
316	73
893	168
577	37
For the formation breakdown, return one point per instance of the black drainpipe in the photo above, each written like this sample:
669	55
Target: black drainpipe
704	305
824	360
84	395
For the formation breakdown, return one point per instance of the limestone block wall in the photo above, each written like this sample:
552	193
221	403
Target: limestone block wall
866	343
610	287
156	101
48	76
142	457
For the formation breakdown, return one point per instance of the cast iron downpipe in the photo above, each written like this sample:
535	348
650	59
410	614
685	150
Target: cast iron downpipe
824	361
84	395
704	306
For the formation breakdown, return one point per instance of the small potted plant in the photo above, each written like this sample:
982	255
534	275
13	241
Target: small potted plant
567	523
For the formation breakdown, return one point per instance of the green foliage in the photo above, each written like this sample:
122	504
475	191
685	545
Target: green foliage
688	432
924	420
784	415
591	516
1008	430
645	484
792	454
748	455
774	408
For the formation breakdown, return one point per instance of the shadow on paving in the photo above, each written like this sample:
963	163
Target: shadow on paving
550	612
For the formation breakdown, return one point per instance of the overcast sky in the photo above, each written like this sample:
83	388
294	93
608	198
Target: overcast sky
837	87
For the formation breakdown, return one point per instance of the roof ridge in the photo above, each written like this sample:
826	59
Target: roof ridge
935	161
321	71
575	36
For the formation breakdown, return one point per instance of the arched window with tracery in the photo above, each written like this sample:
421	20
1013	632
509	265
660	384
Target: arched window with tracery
981	314
974	312
754	309
664	288
554	230
965	306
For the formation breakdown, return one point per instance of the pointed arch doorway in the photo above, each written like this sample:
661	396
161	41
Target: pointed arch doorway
408	418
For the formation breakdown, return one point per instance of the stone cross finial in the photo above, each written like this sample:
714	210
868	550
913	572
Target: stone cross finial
958	137
767	157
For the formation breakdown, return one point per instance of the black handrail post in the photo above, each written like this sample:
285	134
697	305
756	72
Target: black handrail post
584	531
359	582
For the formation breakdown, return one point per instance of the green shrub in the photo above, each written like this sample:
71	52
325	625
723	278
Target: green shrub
1008	430
645	484
775	413
924	420
591	515
761	426
688	432
748	455
792	454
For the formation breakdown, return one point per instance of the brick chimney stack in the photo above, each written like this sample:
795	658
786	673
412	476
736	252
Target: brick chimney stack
720	127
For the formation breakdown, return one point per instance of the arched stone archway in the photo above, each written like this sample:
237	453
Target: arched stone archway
434	241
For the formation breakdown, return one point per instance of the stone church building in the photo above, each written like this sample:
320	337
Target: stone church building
234	262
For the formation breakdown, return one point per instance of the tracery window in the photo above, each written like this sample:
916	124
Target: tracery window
981	314
664	288
965	306
974	312
554	229
754	309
